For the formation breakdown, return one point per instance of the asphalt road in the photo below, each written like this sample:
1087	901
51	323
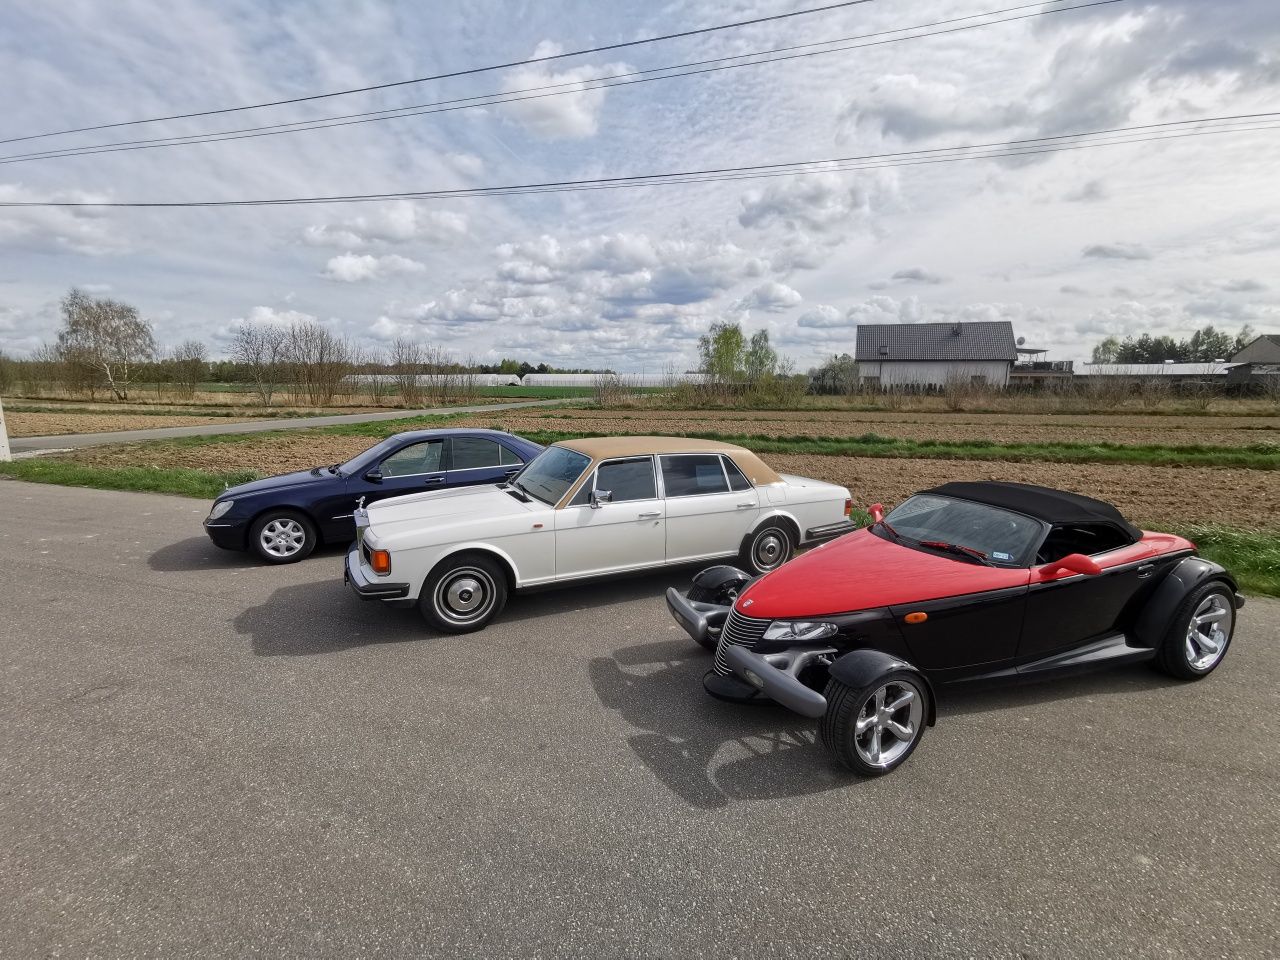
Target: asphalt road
71	440
205	757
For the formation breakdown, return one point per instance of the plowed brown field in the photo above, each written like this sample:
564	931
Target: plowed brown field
999	428
1152	495
54	424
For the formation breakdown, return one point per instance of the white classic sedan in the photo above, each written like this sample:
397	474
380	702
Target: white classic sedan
585	509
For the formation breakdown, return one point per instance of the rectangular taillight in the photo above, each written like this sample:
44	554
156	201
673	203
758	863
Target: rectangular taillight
848	508
380	562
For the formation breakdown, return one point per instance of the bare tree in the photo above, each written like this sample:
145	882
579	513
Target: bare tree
407	360
190	366
320	358
261	348
105	338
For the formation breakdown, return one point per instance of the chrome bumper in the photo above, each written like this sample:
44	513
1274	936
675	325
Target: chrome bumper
695	617
366	587
775	675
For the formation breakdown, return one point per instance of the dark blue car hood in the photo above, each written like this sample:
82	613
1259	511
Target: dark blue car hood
299	479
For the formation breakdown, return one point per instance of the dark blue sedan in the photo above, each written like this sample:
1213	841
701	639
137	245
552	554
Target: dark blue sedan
283	518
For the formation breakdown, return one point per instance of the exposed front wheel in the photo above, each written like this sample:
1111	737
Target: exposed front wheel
282	536
1200	633
768	548
463	594
873	730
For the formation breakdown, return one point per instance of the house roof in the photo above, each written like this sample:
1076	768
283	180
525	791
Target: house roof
1265	348
979	340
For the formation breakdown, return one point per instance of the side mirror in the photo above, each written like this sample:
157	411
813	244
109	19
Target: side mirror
374	475
600	497
1074	563
877	512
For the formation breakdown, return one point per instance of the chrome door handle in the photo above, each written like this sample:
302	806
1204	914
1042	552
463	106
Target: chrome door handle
434	480
650	516
745	506
1146	569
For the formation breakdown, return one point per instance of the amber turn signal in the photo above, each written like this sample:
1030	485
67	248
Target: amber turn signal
918	617
380	560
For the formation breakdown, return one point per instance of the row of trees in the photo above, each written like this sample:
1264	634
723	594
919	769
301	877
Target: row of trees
1204	346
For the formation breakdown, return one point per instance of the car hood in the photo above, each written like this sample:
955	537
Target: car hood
439	516
861	571
298	479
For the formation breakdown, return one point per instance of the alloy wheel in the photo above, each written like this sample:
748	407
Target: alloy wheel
282	537
888	723
1208	632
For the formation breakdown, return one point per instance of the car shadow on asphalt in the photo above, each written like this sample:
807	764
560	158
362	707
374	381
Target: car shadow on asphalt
1128	680
199	553
657	688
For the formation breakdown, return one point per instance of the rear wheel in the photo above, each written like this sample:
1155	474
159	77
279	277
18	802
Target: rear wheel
282	536
462	594
768	547
1200	633
873	730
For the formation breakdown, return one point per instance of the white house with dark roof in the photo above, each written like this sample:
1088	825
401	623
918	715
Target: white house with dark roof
920	356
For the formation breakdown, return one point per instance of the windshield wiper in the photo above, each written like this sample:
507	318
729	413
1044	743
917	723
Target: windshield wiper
958	550
882	522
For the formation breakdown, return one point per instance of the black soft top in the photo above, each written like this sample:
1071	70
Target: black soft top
1043	503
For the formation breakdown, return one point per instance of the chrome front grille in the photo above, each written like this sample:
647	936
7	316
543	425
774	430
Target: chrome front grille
738	631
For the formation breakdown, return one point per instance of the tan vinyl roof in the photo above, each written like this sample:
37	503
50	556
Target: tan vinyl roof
608	448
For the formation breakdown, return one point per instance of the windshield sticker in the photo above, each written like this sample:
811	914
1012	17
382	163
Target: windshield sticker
997	555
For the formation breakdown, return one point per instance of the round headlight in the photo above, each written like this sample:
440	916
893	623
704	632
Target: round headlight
220	509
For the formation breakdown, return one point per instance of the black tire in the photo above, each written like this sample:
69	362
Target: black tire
283	536
846	704
768	547
1187	658
463	593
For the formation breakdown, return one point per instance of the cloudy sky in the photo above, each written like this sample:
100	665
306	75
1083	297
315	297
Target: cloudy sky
1072	247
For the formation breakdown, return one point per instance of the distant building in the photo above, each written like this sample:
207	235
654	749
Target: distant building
1179	375
1257	364
931	355
1033	370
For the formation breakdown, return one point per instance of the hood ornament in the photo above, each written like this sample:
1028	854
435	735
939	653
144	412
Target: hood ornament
360	503
746	603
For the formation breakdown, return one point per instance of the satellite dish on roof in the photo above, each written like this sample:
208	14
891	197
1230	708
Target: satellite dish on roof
1022	341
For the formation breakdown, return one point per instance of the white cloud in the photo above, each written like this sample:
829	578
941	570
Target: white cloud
353	268
82	230
771	297
571	116
394	223
817	202
1116	251
825	317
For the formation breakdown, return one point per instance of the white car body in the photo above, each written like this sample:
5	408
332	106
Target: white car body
542	544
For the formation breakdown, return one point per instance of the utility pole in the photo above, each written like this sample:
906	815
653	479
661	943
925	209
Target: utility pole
4	438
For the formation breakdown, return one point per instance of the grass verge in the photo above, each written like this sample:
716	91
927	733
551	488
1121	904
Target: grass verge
1252	558
179	480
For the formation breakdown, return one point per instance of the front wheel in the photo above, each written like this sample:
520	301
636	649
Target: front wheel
873	730
282	536
462	594
1201	631
768	548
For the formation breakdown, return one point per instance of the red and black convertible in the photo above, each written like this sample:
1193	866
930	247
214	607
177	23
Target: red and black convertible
963	583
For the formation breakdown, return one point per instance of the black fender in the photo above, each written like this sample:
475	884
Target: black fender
1157	616
861	668
715	579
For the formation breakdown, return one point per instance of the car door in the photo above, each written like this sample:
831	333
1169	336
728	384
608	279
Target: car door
413	468
1065	609
625	533
706	515
476	460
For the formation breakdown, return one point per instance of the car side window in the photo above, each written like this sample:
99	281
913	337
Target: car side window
421	457
1087	538
691	475
625	479
509	457
474	453
737	482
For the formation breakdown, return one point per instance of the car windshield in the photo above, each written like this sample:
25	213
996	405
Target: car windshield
1002	537
370	456
548	475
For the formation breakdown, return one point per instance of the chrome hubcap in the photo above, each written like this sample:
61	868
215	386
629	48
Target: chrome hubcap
282	538
1209	631
888	723
770	550
465	596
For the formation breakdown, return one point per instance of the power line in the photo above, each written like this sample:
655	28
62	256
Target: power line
716	65
1142	133
455	73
